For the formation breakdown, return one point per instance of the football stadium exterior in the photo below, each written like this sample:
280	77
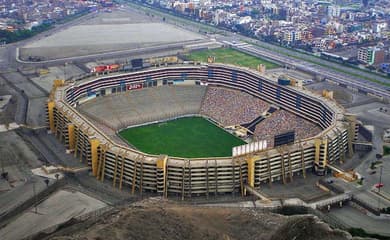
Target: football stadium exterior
170	175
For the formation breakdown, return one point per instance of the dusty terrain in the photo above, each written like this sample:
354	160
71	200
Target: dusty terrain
106	32
162	220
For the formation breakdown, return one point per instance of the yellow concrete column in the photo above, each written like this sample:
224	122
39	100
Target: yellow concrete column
327	94
71	136
251	171
94	155
351	132
58	83
50	107
325	160
162	164
317	144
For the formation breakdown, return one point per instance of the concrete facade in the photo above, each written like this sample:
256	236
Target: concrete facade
168	175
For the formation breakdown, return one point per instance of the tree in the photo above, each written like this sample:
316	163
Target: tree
22	34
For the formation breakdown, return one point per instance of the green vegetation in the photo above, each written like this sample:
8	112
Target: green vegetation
354	74
207	28
230	56
386	150
385	210
19	35
373	164
359	232
360	181
192	137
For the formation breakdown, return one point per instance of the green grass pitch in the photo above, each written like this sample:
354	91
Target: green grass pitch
230	56
190	137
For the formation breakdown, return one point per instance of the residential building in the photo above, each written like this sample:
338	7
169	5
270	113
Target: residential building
371	55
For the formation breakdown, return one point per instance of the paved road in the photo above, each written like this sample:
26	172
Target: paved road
108	55
20	194
22	102
54	210
51	150
261	49
8	52
303	61
43	144
309	59
342	78
354	218
370	115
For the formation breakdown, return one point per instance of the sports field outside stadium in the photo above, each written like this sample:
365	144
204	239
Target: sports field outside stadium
230	56
189	137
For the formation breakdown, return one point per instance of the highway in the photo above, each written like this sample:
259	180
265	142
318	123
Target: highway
310	64
341	78
314	60
10	58
345	75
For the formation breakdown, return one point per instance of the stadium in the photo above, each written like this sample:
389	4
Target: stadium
273	131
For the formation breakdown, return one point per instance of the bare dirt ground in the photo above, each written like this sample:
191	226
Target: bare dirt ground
103	32
164	220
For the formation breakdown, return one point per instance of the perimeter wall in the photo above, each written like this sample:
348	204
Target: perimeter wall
138	172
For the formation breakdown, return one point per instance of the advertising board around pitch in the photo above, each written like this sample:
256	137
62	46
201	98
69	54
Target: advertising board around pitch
249	148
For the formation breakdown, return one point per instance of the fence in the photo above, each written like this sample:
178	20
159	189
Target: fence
366	205
30	202
332	221
331	187
90	215
294	210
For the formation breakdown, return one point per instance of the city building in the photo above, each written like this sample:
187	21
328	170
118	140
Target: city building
371	55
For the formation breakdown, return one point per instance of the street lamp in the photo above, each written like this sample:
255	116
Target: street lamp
379	186
4	174
378	156
35	197
65	64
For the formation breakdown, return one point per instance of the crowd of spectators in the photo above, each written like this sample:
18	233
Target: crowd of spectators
283	121
232	107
